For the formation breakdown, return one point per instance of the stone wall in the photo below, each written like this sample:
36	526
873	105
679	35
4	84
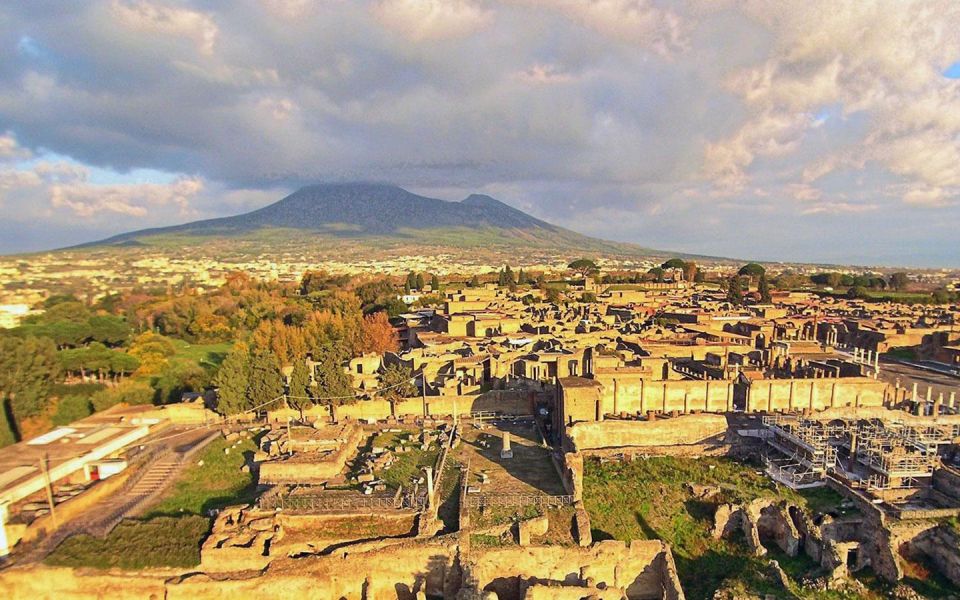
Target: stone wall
816	394
686	429
505	401
642	569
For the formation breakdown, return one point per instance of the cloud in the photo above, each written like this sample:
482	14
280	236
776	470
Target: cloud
661	122
10	149
544	74
149	17
422	20
635	22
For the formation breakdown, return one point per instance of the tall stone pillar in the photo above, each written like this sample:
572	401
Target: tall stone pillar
506	451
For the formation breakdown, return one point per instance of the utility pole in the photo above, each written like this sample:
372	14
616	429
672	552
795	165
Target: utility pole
46	477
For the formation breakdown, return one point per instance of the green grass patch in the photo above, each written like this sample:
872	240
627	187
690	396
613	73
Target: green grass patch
406	465
482	540
648	499
208	356
218	482
134	545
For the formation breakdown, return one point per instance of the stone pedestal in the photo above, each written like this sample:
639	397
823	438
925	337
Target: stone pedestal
506	451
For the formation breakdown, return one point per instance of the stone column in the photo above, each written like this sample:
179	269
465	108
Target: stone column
953	400
506	451
429	472
913	397
938	404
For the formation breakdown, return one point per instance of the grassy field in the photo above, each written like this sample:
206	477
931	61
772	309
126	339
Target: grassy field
217	483
134	545
648	499
208	356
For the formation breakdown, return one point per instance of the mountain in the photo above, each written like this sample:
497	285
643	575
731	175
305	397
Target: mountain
386	212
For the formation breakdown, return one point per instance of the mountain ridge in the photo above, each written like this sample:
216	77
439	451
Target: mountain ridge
375	210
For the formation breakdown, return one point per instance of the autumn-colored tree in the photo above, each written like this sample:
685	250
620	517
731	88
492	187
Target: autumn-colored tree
378	335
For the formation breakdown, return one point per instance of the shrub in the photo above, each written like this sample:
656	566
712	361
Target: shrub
72	408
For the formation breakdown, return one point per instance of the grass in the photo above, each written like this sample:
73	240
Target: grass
406	465
648	499
134	545
217	483
208	356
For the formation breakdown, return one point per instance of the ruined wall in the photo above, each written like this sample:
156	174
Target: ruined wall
817	394
946	480
942	546
439	406
638	568
686	429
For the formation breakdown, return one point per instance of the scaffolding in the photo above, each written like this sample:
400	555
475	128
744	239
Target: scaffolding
887	455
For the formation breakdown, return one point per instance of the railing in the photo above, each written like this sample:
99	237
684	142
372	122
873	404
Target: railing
338	503
518	500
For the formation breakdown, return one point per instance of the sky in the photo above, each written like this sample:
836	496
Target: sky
814	131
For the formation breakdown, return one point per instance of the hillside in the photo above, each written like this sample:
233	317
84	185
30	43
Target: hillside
377	213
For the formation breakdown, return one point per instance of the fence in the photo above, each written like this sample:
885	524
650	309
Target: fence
517	500
341	503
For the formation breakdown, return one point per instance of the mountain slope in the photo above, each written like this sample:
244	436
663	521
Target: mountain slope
367	210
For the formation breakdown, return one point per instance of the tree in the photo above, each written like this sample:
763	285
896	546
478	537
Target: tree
673	263
584	267
411	281
110	330
299	388
133	393
474	282
657	273
690	271
233	379
764	289
588	297
857	291
266	382
734	291
7	432
28	369
397	383
71	408
434	282
700	277
377	335
899	281
552	295
751	270
419	281
177	378
541	281
334	386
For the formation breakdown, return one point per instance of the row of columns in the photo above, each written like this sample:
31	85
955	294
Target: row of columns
928	406
867	357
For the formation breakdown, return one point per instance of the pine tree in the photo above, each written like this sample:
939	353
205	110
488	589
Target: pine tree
474	282
734	291
419	281
299	397
233	379
411	281
333	383
434	282
266	381
7	434
764	289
